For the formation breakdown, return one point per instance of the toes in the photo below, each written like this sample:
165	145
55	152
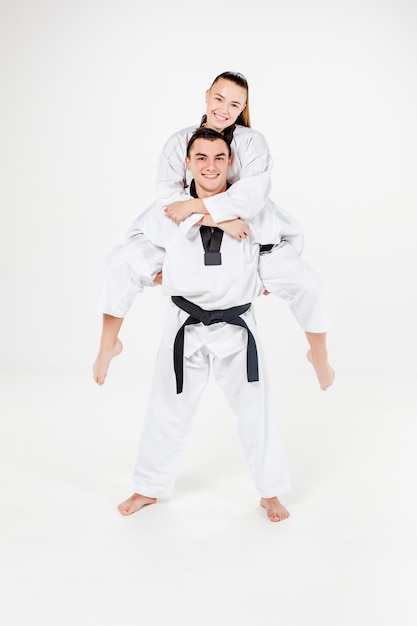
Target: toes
277	517
123	507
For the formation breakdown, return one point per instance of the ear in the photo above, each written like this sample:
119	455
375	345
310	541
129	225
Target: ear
187	163
207	94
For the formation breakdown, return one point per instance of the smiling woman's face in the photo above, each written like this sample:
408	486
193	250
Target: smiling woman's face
225	102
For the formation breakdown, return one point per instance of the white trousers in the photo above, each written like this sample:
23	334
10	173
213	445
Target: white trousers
169	416
290	278
129	268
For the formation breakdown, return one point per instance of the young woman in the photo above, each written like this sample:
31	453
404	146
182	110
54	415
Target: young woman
290	278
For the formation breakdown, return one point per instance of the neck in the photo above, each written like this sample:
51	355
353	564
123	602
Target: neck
204	193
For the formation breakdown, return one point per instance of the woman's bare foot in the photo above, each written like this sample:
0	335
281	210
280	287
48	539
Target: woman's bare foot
134	504
275	510
102	362
325	373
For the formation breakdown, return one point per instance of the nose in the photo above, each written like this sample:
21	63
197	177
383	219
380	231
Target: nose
228	109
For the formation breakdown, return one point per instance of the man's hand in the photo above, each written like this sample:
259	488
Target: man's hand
238	229
179	211
158	279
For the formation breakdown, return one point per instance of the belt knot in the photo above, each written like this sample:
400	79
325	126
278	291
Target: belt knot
207	318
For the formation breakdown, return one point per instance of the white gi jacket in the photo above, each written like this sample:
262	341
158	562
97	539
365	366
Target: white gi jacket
235	282
249	176
129	268
169	413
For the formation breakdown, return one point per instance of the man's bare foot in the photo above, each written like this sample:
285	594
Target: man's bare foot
102	362
325	373
134	504
275	510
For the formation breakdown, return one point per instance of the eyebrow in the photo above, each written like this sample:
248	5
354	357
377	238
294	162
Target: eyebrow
233	101
204	154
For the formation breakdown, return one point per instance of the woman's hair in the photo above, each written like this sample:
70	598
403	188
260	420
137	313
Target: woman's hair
244	117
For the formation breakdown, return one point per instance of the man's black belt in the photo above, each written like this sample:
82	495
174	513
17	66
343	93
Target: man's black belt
197	315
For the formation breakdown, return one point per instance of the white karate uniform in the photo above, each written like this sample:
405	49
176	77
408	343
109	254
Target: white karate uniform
249	175
169	415
250	178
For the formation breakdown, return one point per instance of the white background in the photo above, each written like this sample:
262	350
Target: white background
90	92
92	89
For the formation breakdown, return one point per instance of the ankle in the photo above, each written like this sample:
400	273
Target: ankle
107	345
318	355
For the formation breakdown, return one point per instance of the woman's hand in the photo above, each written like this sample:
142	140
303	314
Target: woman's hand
179	211
238	229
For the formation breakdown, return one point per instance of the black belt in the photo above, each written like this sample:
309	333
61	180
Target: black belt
197	315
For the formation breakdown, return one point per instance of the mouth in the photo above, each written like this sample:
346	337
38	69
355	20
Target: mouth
220	118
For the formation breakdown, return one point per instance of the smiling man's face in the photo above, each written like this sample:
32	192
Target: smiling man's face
209	162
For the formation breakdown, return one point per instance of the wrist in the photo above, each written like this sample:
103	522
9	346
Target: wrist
198	206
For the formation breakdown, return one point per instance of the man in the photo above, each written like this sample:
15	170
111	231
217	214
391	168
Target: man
212	279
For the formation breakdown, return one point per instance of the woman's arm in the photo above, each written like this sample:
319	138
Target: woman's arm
171	178
250	178
238	229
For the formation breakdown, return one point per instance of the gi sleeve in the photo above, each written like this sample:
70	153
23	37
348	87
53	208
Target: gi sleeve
246	197
171	180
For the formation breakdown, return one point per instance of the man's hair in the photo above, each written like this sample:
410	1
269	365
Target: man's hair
206	133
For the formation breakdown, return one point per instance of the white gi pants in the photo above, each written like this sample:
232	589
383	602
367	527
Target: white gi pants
169	416
129	268
285	275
